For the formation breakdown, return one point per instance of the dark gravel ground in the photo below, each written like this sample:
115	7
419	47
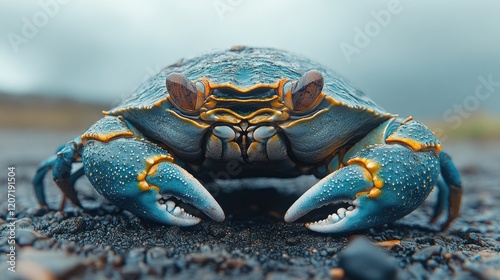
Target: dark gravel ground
103	242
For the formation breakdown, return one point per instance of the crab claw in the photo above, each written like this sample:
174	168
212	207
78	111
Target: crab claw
145	181
382	184
174	183
339	187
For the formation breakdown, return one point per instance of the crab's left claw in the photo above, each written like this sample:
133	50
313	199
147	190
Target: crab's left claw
145	181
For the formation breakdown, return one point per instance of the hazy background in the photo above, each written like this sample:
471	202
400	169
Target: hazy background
424	61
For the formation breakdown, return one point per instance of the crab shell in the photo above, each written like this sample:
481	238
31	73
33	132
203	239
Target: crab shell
244	90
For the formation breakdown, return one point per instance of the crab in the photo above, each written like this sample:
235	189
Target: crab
274	114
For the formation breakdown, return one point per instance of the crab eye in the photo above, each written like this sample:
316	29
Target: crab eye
301	95
183	93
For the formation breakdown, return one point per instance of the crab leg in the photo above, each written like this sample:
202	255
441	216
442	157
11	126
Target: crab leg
449	191
38	183
388	174
61	170
141	177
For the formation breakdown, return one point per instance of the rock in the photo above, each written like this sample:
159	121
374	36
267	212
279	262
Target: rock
216	231
432	264
474	238
427	253
71	225
156	255
276	276
363	260
292	240
36	264
44	244
24	223
115	260
26	237
459	256
131	272
205	249
37	211
336	273
414	271
135	256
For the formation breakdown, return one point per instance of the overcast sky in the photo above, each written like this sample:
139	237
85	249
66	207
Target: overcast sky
421	61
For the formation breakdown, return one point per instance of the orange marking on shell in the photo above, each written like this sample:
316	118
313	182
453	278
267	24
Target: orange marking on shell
160	102
252	100
374	193
371	171
415	145
287	98
247	89
229	116
333	101
279	89
107	136
378	182
143	186
141	176
410	118
150	168
367	174
361	193
372	166
438	148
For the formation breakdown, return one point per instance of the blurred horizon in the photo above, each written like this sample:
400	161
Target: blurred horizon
418	58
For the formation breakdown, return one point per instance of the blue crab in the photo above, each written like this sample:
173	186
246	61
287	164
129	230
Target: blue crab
274	113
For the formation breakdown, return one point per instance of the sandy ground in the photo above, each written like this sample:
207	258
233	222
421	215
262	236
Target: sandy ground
103	242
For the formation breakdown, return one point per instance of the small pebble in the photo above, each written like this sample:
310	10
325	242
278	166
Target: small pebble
26	237
131	272
135	256
71	225
25	223
292	241
337	273
425	254
155	255
414	271
363	260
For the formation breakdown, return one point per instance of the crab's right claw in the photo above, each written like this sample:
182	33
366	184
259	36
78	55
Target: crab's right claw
151	186
380	185
339	187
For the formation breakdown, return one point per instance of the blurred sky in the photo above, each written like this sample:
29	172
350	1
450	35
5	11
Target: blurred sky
427	57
